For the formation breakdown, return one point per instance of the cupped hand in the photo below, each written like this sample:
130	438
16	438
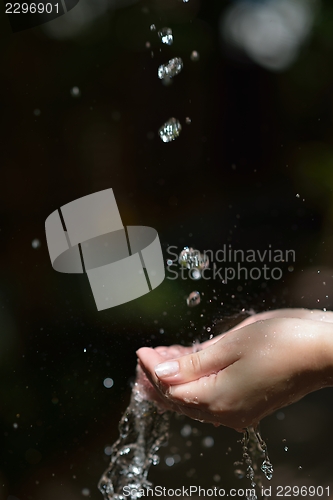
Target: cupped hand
265	363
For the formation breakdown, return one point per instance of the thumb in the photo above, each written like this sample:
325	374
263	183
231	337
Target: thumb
197	364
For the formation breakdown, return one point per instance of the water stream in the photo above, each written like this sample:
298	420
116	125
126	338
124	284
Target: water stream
142	430
255	450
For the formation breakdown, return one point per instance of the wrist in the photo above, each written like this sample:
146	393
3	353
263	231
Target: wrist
325	348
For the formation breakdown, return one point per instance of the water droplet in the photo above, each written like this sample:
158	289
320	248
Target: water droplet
37	112
75	92
193	299
108	450
161	330
85	492
194	56
167	81
267	469
280	415
186	430
195	274
108	383
297	196
208	442
171	69
148	45
169	461
15	425
152	27
35	243
188	120
239	473
155	459
208	328
290	269
286	448
170	130
217	478
84	350
166	36
300	467
193	259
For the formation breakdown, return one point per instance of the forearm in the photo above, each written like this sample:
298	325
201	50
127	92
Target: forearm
311	314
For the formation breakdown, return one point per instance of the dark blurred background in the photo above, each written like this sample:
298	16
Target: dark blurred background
81	106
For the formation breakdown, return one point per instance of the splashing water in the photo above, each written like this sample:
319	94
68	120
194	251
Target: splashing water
170	130
142	430
166	36
171	69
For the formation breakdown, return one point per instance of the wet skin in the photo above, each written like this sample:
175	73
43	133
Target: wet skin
268	361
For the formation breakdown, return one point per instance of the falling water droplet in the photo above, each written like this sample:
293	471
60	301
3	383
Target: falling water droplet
169	461
171	69
193	259
75	92
208	442
188	120
239	473
35	243
267	469
194	56
152	27
193	299
167	81
195	274
166	36
108	383
170	130
286	448
186	430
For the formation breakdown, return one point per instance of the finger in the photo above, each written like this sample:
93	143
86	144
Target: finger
149	358
196	365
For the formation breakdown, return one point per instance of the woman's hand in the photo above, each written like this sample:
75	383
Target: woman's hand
265	363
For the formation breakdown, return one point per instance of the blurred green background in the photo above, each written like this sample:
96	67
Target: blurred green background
254	168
